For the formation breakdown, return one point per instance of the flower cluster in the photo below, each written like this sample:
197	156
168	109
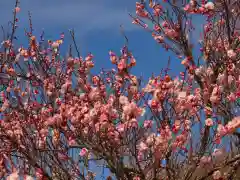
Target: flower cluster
56	116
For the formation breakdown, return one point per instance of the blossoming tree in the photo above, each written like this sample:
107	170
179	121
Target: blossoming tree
57	117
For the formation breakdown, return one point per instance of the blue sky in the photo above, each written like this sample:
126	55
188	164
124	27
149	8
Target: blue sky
97	28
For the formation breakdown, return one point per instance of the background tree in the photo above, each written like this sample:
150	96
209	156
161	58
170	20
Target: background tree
57	117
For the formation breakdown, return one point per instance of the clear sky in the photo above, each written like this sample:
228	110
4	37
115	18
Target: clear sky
97	27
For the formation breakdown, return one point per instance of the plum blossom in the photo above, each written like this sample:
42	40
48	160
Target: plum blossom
217	175
209	6
39	173
182	95
55	45
221	130
83	152
13	176
205	159
27	177
136	178
148	123
17	9
123	100
233	124
231	54
209	122
142	146
59	102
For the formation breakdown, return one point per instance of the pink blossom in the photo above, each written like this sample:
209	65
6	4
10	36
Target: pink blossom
182	95
150	139
5	105
133	123
136	178
165	24
214	99
208	110
61	93
127	110
205	159
13	176
71	142
94	94
209	122
140	156
17	9
187	8
142	146
217	175
142	13
27	177
221	130
157	9
83	152
89	57
171	33
50	121
159	39
232	97
123	100
139	6
55	45
121	65
231	54
103	117
233	124
147	124
121	128
209	6
136	21
39	173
